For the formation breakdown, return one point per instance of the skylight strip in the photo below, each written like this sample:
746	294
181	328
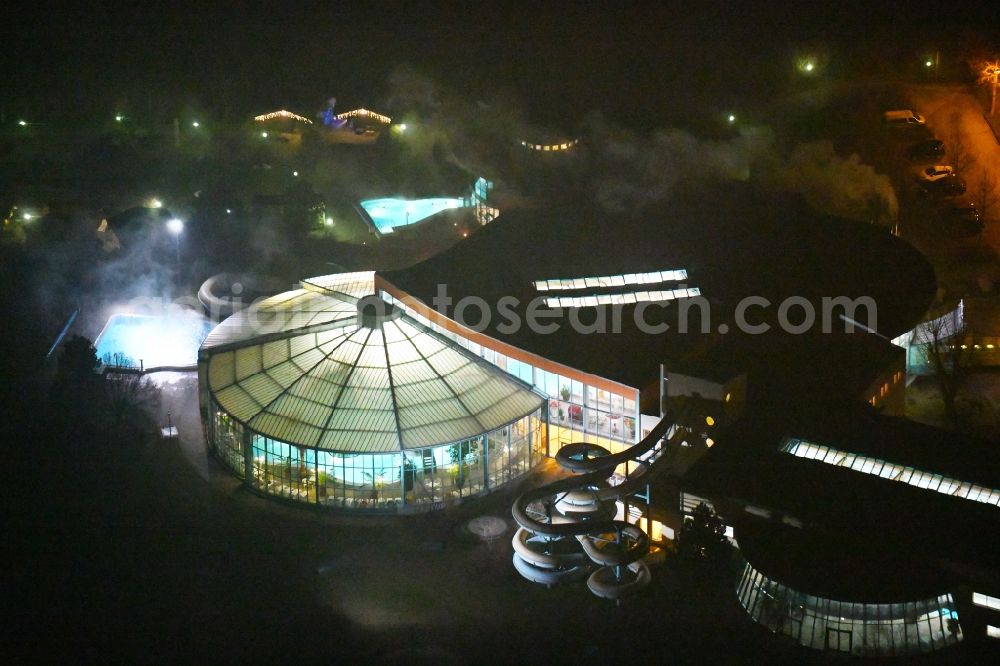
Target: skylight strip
592	300
894	472
609	281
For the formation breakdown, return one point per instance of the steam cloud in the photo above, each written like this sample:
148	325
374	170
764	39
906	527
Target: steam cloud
628	169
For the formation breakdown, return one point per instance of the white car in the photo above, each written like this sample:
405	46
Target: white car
937	172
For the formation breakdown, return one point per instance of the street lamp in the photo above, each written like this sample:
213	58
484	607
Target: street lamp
22	123
195	123
176	227
991	75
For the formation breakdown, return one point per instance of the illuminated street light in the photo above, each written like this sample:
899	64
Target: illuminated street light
991	75
732	118
295	173
263	135
22	123
806	65
195	123
229	211
27	217
155	203
928	63
119	117
329	221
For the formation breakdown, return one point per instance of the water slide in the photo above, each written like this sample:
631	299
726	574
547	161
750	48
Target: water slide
567	528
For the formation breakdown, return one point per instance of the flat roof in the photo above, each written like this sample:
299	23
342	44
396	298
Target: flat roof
850	514
731	241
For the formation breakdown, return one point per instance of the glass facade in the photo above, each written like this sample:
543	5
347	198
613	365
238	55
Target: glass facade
387	482
305	400
578	412
860	629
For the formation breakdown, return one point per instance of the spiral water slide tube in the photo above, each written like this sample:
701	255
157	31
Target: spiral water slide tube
567	528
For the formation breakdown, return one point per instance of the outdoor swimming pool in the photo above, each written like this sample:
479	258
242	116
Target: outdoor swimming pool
155	341
387	214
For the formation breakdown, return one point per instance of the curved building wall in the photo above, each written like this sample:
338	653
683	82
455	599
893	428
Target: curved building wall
579	411
860	629
399	481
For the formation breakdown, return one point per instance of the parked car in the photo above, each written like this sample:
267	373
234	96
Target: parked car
964	215
904	117
949	186
936	172
930	149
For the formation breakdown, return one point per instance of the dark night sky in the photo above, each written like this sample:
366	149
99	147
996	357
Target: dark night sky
629	59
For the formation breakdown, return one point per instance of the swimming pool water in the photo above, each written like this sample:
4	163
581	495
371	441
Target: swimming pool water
390	213
155	340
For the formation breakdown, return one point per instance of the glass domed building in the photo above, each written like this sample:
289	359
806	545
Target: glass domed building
331	396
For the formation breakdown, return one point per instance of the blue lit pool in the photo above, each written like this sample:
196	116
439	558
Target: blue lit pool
156	341
387	214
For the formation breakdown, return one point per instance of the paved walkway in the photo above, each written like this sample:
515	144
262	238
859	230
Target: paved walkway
179	399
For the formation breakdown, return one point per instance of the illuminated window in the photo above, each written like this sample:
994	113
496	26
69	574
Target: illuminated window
862	629
620	299
653	277
985	601
992	632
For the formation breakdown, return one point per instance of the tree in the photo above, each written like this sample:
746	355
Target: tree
703	535
986	196
948	357
959	153
129	395
77	391
78	361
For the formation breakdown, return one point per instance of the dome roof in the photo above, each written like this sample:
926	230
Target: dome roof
303	369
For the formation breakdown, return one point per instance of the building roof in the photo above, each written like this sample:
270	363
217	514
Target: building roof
866	537
282	114
730	241
304	370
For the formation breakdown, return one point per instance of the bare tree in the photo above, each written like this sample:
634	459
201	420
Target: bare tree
986	196
959	153
129	397
948	356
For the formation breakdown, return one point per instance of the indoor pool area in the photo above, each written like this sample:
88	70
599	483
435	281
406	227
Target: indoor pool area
387	214
152	341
